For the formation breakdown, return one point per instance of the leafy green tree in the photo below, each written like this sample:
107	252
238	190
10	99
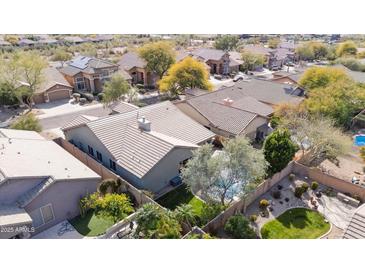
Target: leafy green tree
251	60
346	48
322	76
317	137
226	42
159	57
351	63
27	122
22	67
209	211
153	222
305	53
185	215
189	73
61	55
279	150
113	206
115	89
273	43
239	227
229	174
340	101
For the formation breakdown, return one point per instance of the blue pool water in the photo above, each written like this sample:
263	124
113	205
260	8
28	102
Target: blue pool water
360	140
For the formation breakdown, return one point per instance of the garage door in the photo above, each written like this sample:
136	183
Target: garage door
58	94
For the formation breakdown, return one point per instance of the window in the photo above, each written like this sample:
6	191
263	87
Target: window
47	213
112	165
80	83
99	156
91	150
105	74
81	146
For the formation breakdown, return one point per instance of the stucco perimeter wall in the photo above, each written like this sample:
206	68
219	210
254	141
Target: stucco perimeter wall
338	184
313	174
104	172
241	205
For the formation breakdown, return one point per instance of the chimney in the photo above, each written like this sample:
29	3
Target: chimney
144	124
227	101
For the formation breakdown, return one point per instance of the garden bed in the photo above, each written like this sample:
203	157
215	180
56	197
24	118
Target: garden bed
296	223
91	225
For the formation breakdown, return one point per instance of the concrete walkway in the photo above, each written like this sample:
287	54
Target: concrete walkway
334	210
54	233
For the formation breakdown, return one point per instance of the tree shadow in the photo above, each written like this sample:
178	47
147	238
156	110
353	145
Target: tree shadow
296	217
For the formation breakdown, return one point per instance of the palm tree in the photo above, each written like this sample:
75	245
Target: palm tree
185	215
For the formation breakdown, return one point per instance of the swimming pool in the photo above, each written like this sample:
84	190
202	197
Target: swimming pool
360	140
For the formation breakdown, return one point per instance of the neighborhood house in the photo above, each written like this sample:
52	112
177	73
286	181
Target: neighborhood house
146	146
40	183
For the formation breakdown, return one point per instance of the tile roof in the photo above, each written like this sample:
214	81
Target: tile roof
268	92
85	64
123	107
78	121
52	77
209	54
232	118
138	151
38	157
131	60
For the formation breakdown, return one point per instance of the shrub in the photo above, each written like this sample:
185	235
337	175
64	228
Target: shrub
291	177
253	218
314	185
305	187
239	228
264	203
27	122
276	194
82	101
209	212
76	96
88	96
298	191
100	96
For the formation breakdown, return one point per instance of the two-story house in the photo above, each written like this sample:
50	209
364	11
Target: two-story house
88	74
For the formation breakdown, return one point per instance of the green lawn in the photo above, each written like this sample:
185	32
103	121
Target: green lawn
297	223
91	225
178	196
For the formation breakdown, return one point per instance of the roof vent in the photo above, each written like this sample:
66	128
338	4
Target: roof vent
144	124
227	101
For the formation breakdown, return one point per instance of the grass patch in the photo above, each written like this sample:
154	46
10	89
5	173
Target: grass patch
181	195
91	225
297	223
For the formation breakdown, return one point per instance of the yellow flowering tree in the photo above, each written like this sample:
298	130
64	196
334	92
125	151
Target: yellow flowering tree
189	73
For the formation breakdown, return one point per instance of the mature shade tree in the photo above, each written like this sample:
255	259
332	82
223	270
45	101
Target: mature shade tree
346	48
273	43
115	89
22	67
226	175
279	150
317	137
154	222
189	73
27	122
226	42
61	55
159	56
305	53
251	60
340	101
322	76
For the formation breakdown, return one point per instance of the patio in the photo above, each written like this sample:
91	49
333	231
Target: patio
335	211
